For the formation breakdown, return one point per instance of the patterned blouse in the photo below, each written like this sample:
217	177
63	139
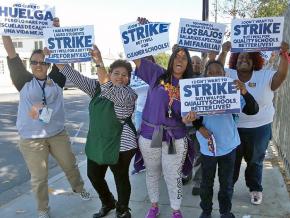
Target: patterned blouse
123	97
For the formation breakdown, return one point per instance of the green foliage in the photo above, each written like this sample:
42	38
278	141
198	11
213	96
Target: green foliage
271	8
252	8
162	59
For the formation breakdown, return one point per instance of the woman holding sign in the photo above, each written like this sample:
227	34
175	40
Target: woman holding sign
163	142
40	123
255	131
111	140
218	138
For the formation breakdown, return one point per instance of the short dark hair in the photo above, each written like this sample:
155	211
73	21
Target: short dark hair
121	63
213	62
37	51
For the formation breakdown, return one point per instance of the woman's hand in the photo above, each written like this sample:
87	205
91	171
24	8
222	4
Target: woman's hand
189	117
96	55
205	132
241	86
281	74
226	47
46	51
284	47
142	20
284	50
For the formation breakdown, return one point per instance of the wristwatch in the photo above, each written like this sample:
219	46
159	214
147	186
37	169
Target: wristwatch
100	65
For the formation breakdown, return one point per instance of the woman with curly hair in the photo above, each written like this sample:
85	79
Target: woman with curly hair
255	131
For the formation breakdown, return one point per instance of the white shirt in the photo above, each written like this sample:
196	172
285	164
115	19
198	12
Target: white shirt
260	87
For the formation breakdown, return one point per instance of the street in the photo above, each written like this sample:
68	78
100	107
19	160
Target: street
14	175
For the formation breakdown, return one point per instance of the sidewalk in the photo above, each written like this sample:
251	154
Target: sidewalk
65	204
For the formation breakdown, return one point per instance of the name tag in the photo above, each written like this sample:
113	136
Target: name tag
45	114
252	85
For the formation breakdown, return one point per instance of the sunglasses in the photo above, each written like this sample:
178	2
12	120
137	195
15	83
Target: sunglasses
42	63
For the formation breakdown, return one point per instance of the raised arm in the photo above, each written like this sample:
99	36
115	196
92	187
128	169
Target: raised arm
9	47
141	20
137	62
86	84
282	72
57	77
148	71
19	75
101	70
226	47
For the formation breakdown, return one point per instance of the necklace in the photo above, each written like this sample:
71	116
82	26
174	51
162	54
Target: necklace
173	93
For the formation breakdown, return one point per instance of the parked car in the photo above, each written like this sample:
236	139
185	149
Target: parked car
68	84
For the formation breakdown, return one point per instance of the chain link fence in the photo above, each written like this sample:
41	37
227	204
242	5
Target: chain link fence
281	124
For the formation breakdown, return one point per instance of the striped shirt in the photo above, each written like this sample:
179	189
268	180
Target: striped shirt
123	97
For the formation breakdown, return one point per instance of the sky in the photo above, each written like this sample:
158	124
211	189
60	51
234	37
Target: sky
108	15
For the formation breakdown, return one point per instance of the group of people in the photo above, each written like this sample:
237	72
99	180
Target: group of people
163	133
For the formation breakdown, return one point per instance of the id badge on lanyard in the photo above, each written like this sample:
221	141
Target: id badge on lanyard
45	112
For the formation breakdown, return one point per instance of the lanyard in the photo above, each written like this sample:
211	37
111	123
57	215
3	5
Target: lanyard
43	91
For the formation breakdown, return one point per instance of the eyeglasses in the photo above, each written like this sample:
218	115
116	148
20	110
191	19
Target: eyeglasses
42	63
120	74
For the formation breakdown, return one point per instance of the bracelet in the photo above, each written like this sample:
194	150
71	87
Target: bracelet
100	65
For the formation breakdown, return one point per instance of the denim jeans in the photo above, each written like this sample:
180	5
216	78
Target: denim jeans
254	143
225	173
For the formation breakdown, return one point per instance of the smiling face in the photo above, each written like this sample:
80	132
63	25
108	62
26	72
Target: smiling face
215	70
179	64
38	66
244	63
119	76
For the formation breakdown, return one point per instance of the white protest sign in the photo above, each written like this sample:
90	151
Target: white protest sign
200	35
258	34
69	44
209	95
144	40
24	19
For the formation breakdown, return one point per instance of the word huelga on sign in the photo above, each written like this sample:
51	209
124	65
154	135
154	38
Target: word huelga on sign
25	13
21	19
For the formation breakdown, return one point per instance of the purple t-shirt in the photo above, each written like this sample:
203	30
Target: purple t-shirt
156	106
